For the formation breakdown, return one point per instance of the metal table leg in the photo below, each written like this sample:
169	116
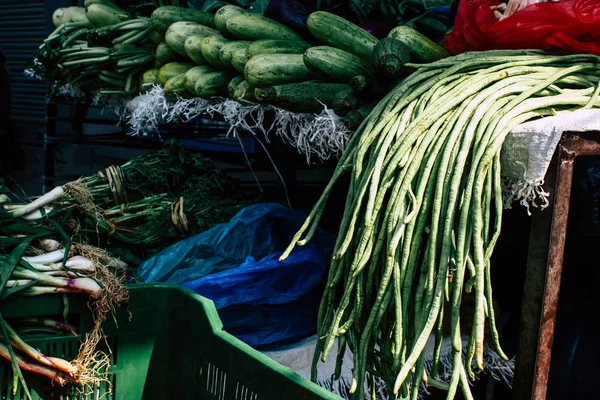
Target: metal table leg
543	274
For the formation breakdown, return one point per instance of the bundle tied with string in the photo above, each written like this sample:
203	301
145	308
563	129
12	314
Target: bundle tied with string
91	362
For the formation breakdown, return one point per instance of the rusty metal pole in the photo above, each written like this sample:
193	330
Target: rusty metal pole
543	274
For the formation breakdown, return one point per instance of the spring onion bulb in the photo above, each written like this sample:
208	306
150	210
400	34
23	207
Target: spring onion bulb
50	197
55	375
51	257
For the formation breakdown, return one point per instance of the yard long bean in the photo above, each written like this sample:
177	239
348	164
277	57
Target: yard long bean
424	212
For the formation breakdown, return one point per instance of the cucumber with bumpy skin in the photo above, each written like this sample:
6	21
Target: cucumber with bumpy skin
255	27
309	97
212	84
335	64
226	52
193	74
335	31
277	69
178	33
210	47
163	17
277	46
422	50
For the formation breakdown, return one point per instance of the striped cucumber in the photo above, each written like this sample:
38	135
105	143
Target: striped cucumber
238	59
309	97
163	17
277	46
255	27
226	52
212	84
193	74
277	69
178	32
337	32
210	48
335	64
422	50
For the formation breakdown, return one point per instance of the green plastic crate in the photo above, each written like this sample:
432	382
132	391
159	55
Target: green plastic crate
174	347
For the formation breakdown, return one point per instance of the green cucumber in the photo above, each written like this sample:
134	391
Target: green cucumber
354	118
178	33
169	70
244	92
226	52
422	50
165	54
163	17
210	48
335	64
309	97
212	84
193	49
223	14
236	80
148	78
255	27
335	31
156	37
277	46
389	57
193	74
277	69
175	87
238	59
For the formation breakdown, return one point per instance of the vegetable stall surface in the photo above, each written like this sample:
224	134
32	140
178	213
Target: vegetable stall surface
424	211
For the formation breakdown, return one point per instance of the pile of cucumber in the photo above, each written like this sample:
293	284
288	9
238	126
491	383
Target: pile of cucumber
232	53
251	58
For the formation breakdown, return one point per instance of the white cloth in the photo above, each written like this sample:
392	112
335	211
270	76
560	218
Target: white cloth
528	150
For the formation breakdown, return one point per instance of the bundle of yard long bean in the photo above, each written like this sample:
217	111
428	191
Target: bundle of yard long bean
424	210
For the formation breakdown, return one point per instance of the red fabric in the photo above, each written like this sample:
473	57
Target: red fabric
572	26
